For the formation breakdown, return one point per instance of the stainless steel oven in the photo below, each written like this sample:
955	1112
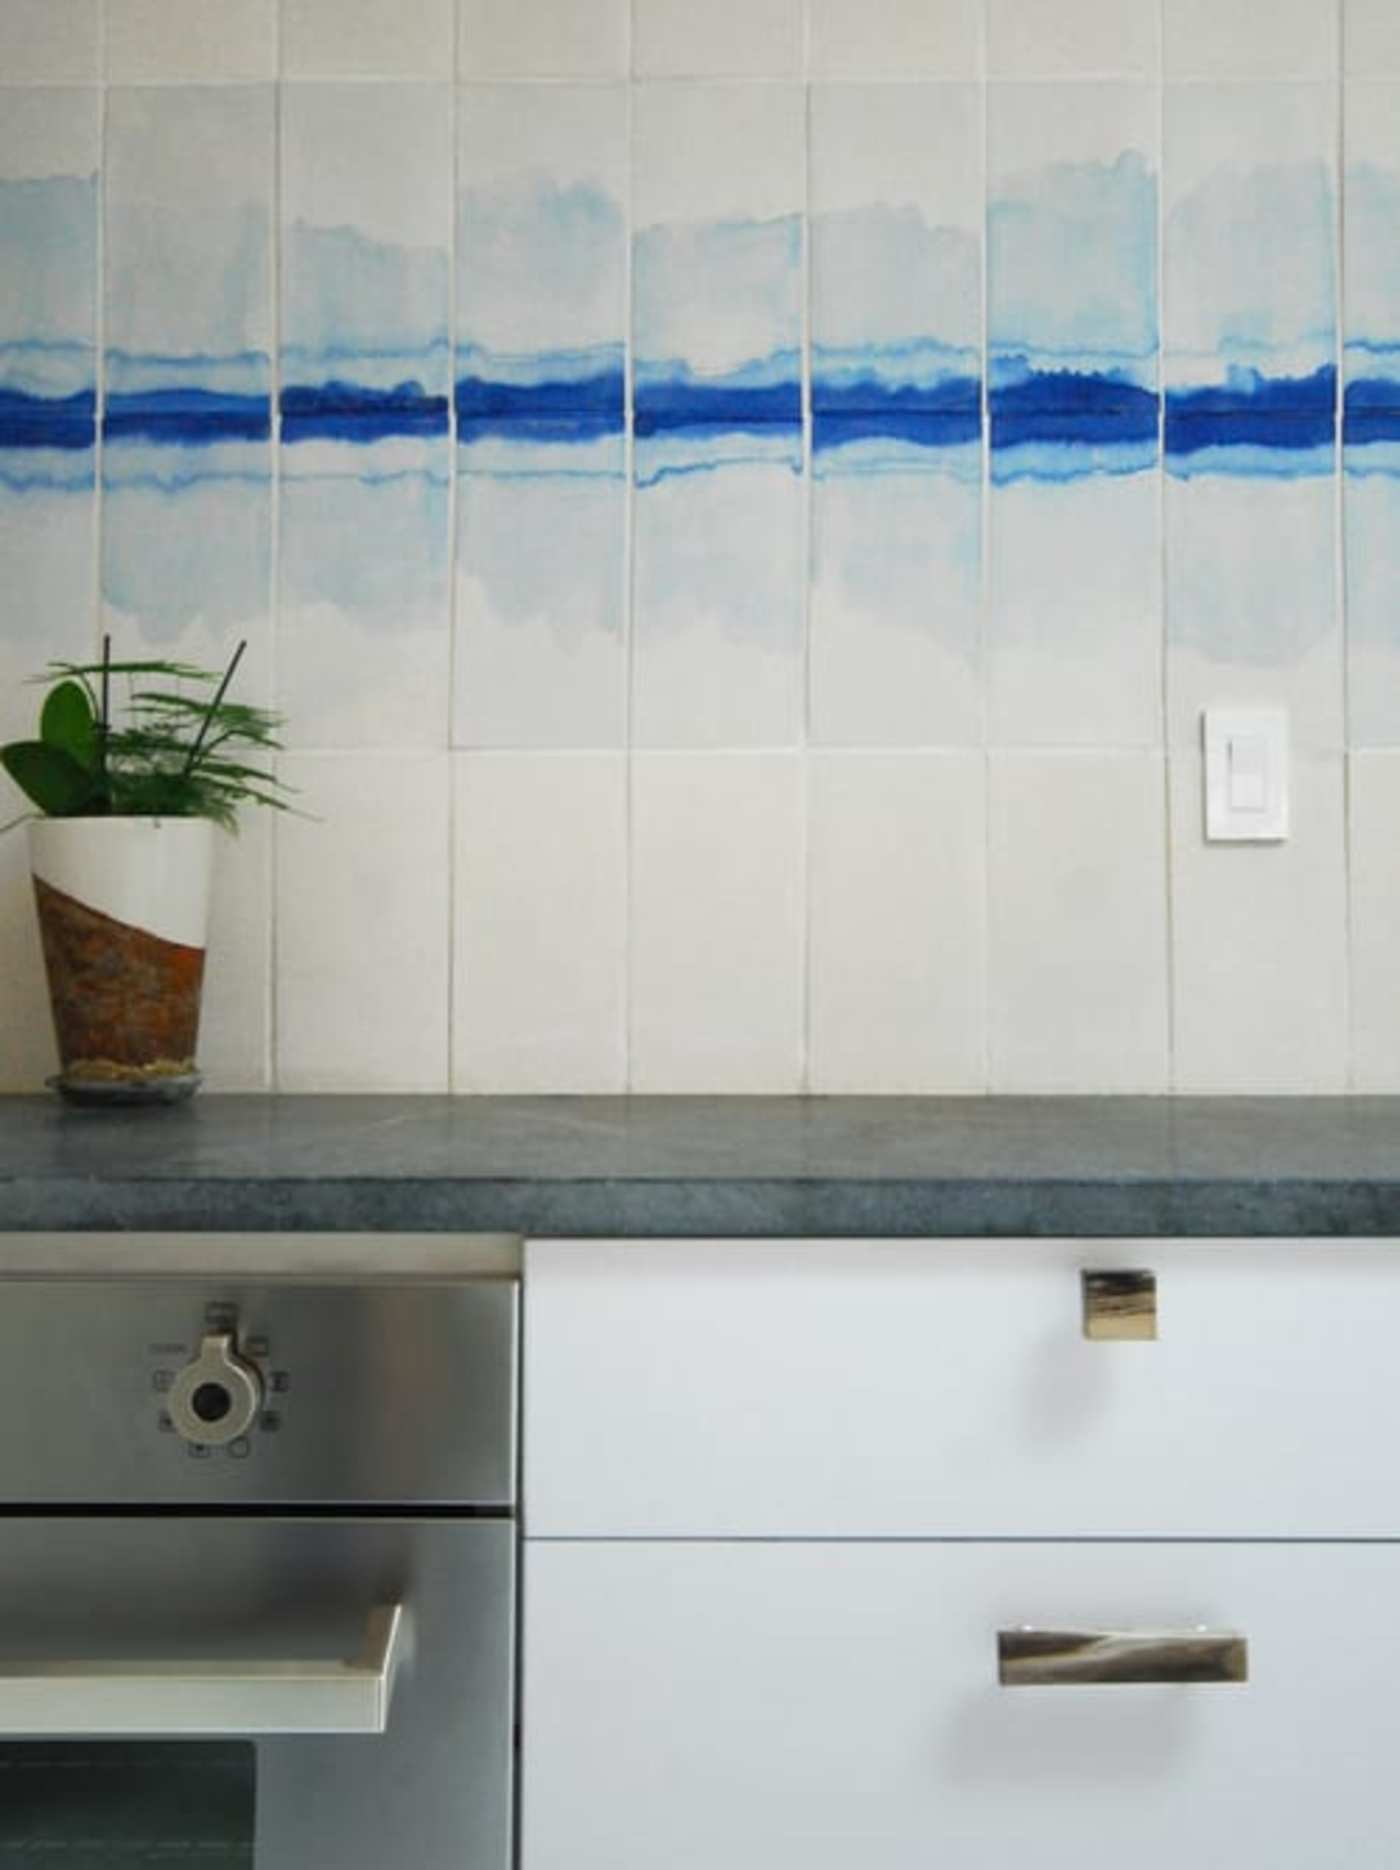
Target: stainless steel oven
257	1571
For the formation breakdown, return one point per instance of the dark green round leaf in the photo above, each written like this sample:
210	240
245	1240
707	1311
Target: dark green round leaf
52	779
67	723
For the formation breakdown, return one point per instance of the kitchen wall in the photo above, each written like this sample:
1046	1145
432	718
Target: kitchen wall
742	506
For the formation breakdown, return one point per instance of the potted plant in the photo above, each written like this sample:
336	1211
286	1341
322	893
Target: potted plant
122	854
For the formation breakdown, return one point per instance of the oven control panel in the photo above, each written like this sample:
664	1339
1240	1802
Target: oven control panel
224	1393
207	1392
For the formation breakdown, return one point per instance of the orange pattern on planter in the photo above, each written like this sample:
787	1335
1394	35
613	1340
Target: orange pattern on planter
125	1003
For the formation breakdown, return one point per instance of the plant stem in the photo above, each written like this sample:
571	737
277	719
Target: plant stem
212	710
104	718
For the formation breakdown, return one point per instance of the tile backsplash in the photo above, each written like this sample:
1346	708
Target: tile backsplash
742	506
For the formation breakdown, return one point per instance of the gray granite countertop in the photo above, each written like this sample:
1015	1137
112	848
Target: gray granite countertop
843	1166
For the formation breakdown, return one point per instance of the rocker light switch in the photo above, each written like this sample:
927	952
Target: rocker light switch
1246	774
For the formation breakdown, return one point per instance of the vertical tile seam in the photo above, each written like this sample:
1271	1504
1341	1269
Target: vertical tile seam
804	755
1339	572
1170	983
272	1063
984	602
629	550
272	1043
99	336
454	766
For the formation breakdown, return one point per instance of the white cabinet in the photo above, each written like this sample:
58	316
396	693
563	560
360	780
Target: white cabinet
936	1389
818	1706
780	1499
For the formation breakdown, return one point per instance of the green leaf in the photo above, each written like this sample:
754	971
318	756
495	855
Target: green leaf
68	723
53	779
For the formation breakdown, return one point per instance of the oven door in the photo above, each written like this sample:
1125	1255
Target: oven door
316	1694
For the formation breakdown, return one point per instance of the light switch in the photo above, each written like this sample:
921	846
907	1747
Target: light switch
1246	752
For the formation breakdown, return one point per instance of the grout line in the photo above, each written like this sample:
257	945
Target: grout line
804	828
1339	569
629	571
272	1036
99	514
1163	568
984	608
454	765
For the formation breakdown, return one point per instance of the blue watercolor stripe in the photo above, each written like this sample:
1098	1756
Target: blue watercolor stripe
1247	392
1371	425
568	426
663	408
339	411
47	421
948	428
1290	431
188	417
600	397
1372	412
1072	407
954	396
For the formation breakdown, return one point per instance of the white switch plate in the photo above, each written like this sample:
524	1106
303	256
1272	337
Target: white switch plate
1246	753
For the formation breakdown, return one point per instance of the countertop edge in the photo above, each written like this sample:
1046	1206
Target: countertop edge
711	1207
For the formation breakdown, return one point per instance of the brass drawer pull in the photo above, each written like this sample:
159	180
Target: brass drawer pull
1120	1306
1063	1658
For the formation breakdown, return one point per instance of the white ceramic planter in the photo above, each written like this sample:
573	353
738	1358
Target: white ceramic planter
123	911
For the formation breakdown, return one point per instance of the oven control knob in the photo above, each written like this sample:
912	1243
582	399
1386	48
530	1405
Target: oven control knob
216	1398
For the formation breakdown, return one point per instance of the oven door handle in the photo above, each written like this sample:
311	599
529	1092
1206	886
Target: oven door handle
228	1700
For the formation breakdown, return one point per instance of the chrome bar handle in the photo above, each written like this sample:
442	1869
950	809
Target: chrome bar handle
1029	1658
229	1700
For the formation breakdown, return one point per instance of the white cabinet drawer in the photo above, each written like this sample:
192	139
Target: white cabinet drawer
810	1706
925	1389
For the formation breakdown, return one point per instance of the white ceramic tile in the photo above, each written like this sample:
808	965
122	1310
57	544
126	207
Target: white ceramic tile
718	597
1074	635
1251	38
1372	521
164	41
712	152
186	536
896	614
367	39
361	965
1072	38
1250	218
48	41
897	923
1374	803
541	588
364	643
894	38
1371	267
189	184
724	39
718	581
1251	601
1077	934
1072	230
235	1021
365	241
1259	943
1372	38
48	309
716	923
539	957
896	236
542	233
542	38
364	578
